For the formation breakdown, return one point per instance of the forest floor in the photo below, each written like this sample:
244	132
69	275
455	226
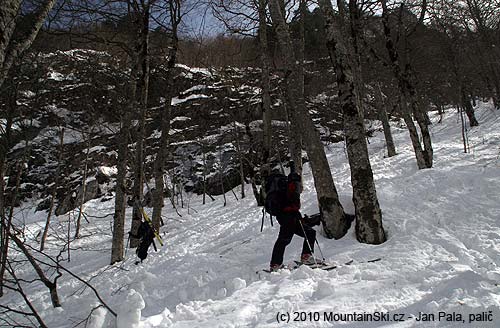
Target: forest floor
441	261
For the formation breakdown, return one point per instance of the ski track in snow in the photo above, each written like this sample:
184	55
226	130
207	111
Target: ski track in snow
443	252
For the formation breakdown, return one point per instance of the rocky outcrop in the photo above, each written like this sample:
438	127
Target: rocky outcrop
74	199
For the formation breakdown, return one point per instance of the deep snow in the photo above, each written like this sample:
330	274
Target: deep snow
443	251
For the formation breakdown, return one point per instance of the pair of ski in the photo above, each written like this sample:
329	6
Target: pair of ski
321	266
148	220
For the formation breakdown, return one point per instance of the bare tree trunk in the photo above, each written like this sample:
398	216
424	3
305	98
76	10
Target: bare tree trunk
7	227
440	109
3	227
165	116
420	114
84	188
464	129
51	285
4	237
117	247
180	187
368	214
8	14
204	171
335	223
265	83
20	290
10	49
407	93
142	84
389	141
53	196
240	158
412	129
221	176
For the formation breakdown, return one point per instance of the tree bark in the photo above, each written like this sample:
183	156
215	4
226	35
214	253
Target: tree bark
84	189
204	156
161	155
142	85
53	196
121	186
10	49
384	118
407	94
335	224
368	214
8	14
240	158
265	84
51	285
4	239
464	128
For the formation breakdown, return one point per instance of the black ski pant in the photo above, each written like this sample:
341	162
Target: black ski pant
290	225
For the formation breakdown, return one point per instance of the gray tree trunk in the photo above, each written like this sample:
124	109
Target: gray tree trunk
4	227
384	118
407	94
335	224
117	247
142	82
161	156
53	196
265	84
239	150
10	49
84	188
204	156
368	214
464	129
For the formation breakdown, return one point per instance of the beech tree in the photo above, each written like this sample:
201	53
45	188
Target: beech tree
335	222
174	10
342	34
140	19
138	13
404	74
242	17
12	42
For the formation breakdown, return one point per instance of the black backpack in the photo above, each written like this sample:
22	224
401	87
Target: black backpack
146	235
276	197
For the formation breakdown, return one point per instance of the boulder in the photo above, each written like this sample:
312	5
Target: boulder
73	199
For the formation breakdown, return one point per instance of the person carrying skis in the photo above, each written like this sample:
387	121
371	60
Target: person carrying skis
290	220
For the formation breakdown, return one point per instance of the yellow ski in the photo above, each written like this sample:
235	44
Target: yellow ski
146	217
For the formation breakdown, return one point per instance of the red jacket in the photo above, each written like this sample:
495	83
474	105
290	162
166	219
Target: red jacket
293	198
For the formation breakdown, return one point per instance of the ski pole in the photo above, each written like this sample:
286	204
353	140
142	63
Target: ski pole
126	247
308	244
320	251
262	224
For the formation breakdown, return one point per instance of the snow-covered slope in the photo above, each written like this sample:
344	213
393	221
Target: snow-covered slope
442	255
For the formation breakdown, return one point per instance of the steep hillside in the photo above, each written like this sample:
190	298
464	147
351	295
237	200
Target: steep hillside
80	95
442	255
